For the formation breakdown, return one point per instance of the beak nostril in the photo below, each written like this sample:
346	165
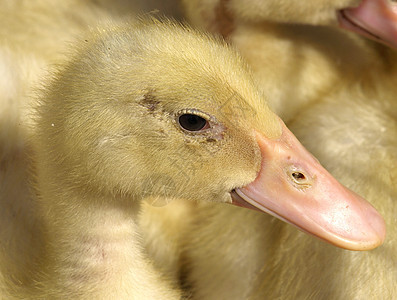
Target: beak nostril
298	176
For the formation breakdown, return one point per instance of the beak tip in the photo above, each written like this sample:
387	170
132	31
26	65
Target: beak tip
374	236
380	230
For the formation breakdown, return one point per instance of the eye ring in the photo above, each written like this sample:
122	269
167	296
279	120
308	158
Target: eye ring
193	121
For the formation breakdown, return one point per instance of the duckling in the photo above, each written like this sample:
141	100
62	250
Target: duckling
336	107
155	109
375	19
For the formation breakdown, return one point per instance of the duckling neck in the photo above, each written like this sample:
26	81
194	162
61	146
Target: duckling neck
92	243
88	240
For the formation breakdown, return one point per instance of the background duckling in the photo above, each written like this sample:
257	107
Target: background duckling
315	57
132	116
341	111
372	18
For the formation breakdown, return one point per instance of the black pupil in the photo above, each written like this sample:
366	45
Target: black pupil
192	122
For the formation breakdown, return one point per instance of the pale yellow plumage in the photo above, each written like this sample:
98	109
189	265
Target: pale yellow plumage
76	136
106	114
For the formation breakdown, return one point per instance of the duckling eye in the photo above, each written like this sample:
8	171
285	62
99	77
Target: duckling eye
192	122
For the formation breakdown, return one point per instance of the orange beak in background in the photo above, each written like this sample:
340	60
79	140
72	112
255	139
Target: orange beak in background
376	19
294	187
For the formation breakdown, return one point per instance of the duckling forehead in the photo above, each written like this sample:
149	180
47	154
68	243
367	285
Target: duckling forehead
228	106
239	104
268	123
191	70
252	112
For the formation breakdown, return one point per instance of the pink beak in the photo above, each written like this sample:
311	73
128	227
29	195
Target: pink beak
376	19
294	187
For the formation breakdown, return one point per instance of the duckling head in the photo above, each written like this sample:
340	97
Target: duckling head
375	19
156	109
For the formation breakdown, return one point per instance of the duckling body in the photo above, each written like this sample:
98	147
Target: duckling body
338	96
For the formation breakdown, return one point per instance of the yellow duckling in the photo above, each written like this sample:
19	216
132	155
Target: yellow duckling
154	109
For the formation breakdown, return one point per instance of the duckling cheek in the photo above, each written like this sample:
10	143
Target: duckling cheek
294	187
